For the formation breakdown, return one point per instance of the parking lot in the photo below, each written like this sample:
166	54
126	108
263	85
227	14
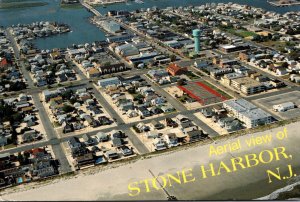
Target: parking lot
294	97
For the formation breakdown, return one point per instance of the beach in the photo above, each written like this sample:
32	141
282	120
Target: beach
112	183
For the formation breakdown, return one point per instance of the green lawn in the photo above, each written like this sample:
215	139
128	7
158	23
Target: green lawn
217	89
241	33
191	75
9	146
15	5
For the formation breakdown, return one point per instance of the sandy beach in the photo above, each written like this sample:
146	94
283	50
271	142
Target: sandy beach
249	183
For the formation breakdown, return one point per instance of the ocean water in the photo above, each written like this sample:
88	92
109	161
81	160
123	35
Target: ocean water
83	31
274	195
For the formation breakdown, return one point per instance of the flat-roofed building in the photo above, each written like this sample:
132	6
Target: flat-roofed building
248	113
247	85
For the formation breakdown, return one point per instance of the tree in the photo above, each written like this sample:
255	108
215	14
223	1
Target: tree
21	158
295	55
106	64
67	94
19	85
131	90
68	108
285	65
180	82
14	136
173	58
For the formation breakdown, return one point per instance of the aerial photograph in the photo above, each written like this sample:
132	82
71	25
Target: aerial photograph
135	100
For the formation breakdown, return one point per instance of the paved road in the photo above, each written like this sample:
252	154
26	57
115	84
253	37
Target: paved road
52	136
124	127
56	141
269	94
17	55
106	105
158	89
100	98
50	133
181	108
153	41
138	144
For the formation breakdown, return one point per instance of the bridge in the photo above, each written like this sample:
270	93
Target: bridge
90	8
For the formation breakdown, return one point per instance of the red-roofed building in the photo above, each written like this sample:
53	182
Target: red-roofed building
175	69
4	63
36	151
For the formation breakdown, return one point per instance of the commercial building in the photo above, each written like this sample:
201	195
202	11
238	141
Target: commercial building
127	49
121	38
175	69
111	26
142	57
107	82
248	113
233	48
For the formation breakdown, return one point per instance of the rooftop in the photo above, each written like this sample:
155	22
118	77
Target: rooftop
247	109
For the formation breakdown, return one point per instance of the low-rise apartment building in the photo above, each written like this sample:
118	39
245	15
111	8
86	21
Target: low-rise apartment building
247	85
248	113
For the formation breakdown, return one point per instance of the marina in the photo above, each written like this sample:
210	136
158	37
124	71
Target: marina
78	18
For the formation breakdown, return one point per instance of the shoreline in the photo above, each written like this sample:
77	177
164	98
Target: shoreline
21	5
288	192
278	4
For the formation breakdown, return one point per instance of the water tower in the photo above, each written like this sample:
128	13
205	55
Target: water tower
196	35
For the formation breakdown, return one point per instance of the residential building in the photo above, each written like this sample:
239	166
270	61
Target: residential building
247	85
248	113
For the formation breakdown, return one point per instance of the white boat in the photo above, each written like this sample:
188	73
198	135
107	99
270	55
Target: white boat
139	1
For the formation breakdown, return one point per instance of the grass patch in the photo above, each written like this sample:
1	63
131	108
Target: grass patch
9	146
217	89
16	5
71	6
278	45
191	75
241	33
56	124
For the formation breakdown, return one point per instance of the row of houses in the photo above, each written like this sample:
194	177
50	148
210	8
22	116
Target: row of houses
100	148
27	166
49	68
273	61
76	110
11	78
27	127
